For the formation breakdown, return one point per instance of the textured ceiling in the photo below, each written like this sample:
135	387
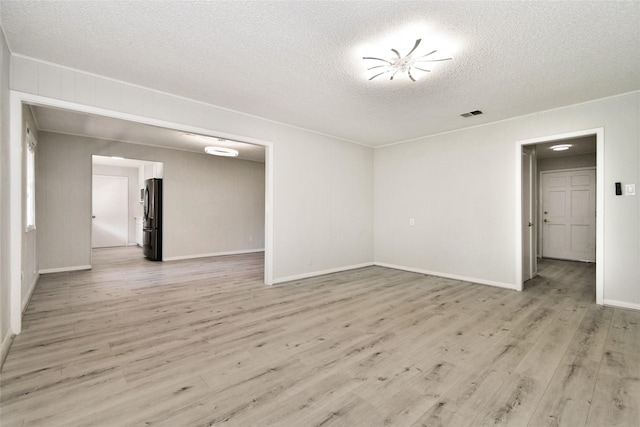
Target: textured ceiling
300	62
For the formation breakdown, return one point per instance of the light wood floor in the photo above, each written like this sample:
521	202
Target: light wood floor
204	342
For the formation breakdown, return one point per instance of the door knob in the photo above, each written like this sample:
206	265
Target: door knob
546	220
93	216
530	224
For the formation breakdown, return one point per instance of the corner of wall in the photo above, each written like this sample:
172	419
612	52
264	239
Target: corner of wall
7	339
32	287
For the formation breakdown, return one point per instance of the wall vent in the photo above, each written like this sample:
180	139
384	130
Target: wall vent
471	113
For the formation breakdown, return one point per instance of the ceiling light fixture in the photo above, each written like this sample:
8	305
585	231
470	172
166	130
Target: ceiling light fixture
561	147
221	151
201	137
403	64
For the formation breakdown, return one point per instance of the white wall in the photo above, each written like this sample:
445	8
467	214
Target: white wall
5	283
460	189
322	205
135	206
210	204
322	192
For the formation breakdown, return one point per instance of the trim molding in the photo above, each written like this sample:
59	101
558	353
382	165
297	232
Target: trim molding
322	272
63	269
32	288
173	95
7	340
450	276
178	258
508	119
396	267
621	304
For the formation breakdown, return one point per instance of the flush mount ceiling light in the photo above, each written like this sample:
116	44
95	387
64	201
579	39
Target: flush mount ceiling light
403	64
221	151
561	147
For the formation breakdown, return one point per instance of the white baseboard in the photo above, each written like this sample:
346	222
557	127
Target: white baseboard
621	304
6	344
25	301
321	273
178	258
63	269
450	276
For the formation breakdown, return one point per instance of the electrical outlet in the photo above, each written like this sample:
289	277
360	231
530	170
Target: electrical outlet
412	221
630	189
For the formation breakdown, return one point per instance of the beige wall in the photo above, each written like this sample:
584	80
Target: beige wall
211	204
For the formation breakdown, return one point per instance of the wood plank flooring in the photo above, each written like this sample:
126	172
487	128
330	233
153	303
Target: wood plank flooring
204	343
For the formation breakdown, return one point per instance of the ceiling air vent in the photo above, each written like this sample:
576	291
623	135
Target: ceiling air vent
471	113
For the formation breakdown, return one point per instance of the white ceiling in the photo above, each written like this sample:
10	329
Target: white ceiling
580	145
300	62
73	123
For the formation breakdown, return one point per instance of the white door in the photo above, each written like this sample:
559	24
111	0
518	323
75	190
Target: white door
529	267
569	214
110	211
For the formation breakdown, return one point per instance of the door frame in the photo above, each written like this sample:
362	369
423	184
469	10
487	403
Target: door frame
530	265
599	134
17	99
541	198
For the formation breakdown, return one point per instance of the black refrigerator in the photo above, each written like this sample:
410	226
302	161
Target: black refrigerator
152	225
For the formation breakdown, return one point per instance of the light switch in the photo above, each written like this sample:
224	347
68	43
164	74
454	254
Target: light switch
412	221
630	189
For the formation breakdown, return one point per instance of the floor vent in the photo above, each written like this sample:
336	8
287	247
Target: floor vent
471	113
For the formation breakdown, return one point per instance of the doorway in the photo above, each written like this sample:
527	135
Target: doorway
129	203
531	238
19	99
568	205
110	206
